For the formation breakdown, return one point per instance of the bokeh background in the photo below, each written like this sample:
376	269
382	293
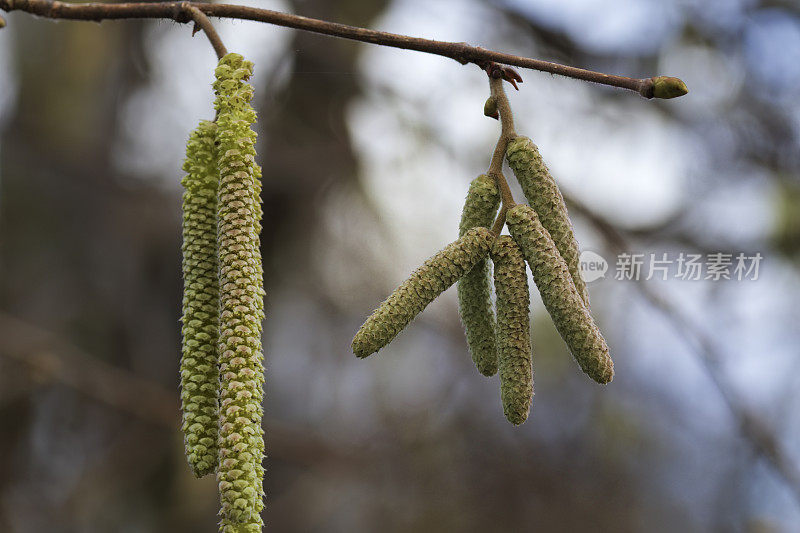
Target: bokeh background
367	154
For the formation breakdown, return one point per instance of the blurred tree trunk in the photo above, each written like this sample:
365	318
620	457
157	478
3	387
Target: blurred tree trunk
306	147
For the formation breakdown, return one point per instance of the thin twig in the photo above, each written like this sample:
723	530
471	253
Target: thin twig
56	360
461	52
201	21
500	221
762	439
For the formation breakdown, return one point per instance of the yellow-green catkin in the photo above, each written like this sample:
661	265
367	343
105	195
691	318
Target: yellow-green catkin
513	329
474	289
552	277
424	285
545	197
199	375
241	441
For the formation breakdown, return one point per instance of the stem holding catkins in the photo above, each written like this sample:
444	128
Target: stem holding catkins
498	95
201	21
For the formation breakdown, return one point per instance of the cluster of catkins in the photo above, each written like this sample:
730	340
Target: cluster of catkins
222	372
542	236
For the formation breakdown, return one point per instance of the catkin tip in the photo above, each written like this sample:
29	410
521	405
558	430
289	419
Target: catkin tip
360	348
559	295
513	330
424	285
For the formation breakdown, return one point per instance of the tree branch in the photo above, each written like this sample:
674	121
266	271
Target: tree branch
57	360
461	52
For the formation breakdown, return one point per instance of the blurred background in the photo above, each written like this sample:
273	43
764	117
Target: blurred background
367	155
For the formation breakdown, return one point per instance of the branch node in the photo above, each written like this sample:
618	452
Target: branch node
646	88
497	71
182	13
462	53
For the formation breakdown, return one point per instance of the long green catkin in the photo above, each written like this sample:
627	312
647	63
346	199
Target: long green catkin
241	441
552	277
199	375
424	285
513	329
545	197
474	289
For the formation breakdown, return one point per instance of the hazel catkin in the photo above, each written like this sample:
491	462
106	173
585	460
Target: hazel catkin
559	295
424	285
199	375
545	197
474	289
241	442
513	329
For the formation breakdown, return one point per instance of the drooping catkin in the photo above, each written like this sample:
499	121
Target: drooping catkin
545	197
513	329
552	277
241	442
199	375
474	289
426	283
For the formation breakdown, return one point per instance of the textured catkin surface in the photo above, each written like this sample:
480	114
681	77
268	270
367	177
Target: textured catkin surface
421	288
241	442
513	329
570	316
474	289
545	197
199	375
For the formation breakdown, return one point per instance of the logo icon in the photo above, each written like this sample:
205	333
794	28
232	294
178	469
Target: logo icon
593	266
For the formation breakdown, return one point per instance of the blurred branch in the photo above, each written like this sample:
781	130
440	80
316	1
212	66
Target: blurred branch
54	359
461	52
761	437
58	360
